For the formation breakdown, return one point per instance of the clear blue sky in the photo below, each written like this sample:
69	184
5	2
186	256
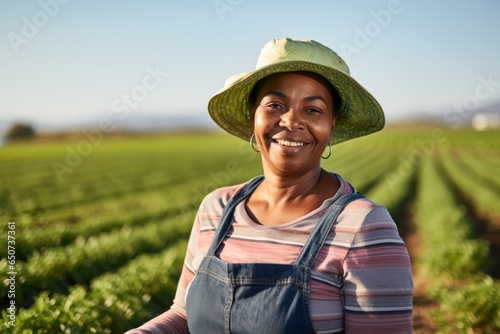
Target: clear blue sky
82	56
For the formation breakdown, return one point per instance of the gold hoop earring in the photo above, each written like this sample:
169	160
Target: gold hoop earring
251	143
329	146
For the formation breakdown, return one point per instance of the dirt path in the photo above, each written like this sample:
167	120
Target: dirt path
422	306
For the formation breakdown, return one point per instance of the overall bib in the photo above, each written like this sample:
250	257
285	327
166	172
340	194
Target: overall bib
256	298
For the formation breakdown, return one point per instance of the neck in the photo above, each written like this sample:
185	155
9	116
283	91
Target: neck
282	188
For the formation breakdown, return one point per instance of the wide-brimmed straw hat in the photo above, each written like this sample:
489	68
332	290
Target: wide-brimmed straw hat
359	113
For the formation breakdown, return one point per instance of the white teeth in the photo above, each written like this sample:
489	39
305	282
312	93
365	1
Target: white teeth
289	143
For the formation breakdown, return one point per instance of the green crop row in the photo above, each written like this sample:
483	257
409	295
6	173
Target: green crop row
114	302
363	163
394	188
93	219
59	267
75	210
351	154
75	194
110	171
480	191
453	258
483	142
369	172
483	167
440	218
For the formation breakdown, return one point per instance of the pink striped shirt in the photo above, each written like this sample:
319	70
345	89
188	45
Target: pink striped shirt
361	281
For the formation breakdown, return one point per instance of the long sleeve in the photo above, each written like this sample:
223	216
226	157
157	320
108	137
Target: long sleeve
378	283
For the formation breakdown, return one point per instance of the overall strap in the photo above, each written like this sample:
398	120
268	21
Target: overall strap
226	219
320	233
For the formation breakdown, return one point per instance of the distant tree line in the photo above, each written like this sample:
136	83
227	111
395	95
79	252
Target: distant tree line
20	131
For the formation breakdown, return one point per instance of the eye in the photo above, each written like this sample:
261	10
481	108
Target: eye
274	106
313	111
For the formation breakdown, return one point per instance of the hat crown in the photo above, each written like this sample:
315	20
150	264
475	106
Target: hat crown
286	49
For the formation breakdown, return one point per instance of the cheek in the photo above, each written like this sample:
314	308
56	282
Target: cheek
262	121
323	128
326	135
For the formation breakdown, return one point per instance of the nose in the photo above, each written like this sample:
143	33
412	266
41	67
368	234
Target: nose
291	120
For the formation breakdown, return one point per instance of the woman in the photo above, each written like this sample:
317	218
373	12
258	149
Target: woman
297	250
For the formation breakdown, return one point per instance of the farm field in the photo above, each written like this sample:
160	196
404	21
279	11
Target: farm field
98	230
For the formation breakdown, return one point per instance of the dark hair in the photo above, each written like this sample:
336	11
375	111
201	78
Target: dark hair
337	101
252	97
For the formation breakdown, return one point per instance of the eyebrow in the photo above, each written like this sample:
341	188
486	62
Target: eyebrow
315	97
277	93
306	99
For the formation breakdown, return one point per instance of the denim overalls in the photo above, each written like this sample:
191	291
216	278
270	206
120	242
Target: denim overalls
256	298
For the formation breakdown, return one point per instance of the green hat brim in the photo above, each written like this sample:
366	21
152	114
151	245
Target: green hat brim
359	113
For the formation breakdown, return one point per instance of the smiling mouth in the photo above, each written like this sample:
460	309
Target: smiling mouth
289	143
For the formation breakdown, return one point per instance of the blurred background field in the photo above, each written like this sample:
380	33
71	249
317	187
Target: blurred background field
101	228
106	148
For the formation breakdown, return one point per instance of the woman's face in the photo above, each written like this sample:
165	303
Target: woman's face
293	121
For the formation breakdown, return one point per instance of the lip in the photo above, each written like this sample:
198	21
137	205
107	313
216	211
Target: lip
289	145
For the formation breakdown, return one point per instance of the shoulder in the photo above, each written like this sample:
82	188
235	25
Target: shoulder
365	221
369	223
362	212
